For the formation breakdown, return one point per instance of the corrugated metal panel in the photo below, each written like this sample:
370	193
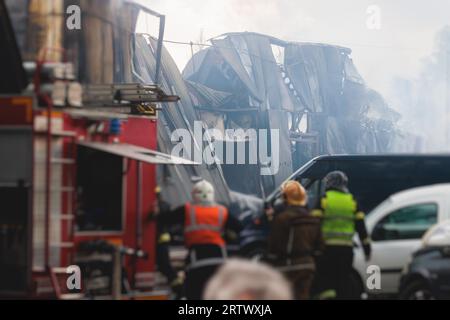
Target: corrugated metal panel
175	180
278	121
207	96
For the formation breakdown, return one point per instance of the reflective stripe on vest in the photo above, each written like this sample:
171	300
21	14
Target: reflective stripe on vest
195	263
338	224
204	224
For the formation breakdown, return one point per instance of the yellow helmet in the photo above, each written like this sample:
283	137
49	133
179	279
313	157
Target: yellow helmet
294	193
157	189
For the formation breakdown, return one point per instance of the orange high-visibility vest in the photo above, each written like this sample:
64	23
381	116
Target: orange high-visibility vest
204	224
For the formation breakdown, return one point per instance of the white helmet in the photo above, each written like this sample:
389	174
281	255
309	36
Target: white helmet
203	192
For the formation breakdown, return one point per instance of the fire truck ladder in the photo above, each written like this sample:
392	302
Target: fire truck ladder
68	189
59	183
139	98
65	191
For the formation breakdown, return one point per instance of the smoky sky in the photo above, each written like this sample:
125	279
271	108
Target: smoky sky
406	34
398	59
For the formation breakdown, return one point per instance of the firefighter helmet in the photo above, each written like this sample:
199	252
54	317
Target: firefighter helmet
294	193
336	180
203	192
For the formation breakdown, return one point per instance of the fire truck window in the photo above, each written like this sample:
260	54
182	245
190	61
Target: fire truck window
99	191
14	260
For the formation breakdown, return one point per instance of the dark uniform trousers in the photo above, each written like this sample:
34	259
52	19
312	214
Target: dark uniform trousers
334	270
301	282
202	262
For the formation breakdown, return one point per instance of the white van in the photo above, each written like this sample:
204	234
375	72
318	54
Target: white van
396	227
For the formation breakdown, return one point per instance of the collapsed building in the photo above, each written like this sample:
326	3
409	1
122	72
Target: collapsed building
312	93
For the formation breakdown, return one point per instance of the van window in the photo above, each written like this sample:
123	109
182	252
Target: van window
372	181
315	190
406	223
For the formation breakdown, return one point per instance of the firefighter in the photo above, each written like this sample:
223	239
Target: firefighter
295	239
205	223
163	239
341	218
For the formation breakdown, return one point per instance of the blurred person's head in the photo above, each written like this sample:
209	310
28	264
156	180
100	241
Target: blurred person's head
293	193
241	279
336	180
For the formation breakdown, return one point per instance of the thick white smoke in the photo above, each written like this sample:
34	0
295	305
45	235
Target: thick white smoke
424	101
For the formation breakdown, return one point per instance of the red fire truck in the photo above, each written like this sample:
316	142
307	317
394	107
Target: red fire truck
72	177
77	180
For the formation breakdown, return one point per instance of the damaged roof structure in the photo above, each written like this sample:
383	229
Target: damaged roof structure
312	93
175	180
